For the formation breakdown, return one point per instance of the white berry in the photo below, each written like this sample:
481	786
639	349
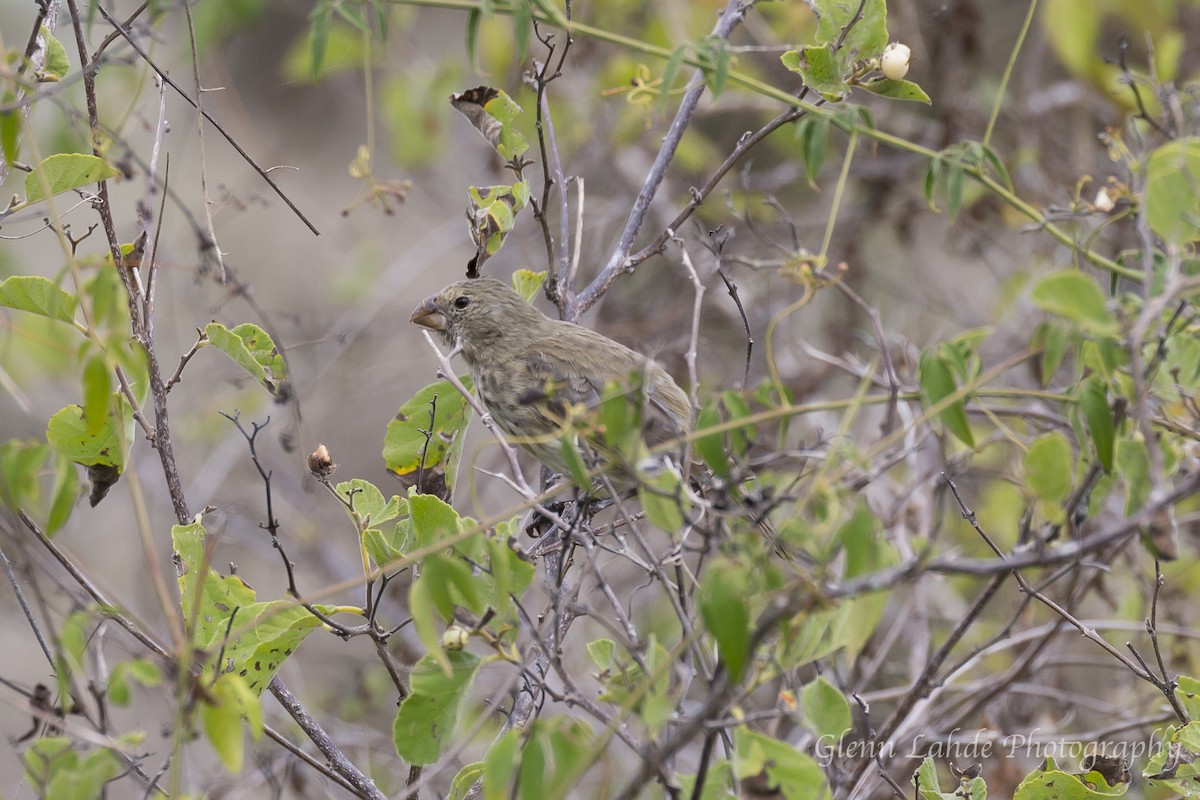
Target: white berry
894	61
455	638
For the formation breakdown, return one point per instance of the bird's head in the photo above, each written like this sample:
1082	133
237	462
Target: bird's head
482	313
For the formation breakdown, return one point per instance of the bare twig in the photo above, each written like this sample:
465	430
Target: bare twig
25	609
363	786
264	174
619	262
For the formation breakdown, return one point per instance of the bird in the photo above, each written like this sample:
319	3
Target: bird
545	381
541	378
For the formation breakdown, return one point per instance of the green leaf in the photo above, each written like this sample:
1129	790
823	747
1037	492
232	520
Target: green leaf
826	710
723	595
662	498
738	408
928	787
65	171
1093	403
230	700
426	720
1076	296
1187	689
1133	465
37	295
426	435
73	638
493	113
470	774
97	386
68	433
56	64
66	490
601	652
425	619
1172	194
868	36
822	69
714	56
263	634
492	214
813	131
794	774
1173	766
992	159
147	673
718	783
251	348
1052	782
670	73
865	550
937	383
511	574
57	772
368	502
645	690
569	450
384	547
1053	340
933	174
432	519
898	90
500	764
711	447
526	282
954	174
319	38
10	129
20	464
556	753
1049	465
522	22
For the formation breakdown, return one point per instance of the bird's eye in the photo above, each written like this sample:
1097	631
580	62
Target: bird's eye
462	302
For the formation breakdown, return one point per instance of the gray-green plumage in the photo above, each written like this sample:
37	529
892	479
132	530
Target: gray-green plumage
531	370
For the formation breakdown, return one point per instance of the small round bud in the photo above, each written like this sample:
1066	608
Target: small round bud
320	463
455	638
1103	202
894	61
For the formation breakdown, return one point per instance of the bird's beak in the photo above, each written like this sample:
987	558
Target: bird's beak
427	315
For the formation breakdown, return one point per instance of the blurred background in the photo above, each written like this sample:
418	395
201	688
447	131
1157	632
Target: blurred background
338	303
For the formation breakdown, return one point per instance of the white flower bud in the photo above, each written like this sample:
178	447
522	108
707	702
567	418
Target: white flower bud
894	61
1103	202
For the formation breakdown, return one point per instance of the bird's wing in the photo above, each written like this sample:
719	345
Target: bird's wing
581	364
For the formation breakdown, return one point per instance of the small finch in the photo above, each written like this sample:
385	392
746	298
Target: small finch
534	373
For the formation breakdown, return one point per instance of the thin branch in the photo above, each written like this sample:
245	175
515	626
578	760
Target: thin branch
201	340
25	609
1084	630
264	174
619	262
744	145
363	786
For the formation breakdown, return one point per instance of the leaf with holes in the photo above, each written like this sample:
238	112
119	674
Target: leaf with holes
423	443
493	113
253	638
